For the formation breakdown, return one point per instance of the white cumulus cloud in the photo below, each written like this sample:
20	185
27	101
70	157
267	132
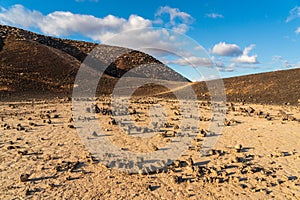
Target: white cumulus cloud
99	29
214	15
294	13
224	49
62	23
192	60
242	59
18	15
245	57
178	21
284	63
135	32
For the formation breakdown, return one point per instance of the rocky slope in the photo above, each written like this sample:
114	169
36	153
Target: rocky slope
36	64
278	87
33	65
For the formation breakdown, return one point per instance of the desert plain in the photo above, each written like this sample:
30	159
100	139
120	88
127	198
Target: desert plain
256	156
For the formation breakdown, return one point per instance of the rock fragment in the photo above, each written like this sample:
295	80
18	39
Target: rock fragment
24	177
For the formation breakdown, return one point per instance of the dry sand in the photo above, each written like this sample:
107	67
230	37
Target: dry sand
257	156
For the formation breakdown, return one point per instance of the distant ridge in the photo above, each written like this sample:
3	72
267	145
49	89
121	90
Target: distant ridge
278	87
34	65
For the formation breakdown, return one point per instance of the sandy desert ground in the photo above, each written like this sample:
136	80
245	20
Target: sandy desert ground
257	155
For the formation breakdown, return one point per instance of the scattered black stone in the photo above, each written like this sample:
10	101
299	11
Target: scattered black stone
95	134
250	110
32	124
203	132
176	179
216	152
232	107
167	125
20	128
6	127
95	108
227	122
177	113
258	113
234	121
24	177
179	163
238	147
154	148
190	161
11	147
133	112
112	122
239	159
56	116
286	117
292	178
71	126
23	153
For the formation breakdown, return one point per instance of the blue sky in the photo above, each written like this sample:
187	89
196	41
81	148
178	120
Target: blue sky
241	37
